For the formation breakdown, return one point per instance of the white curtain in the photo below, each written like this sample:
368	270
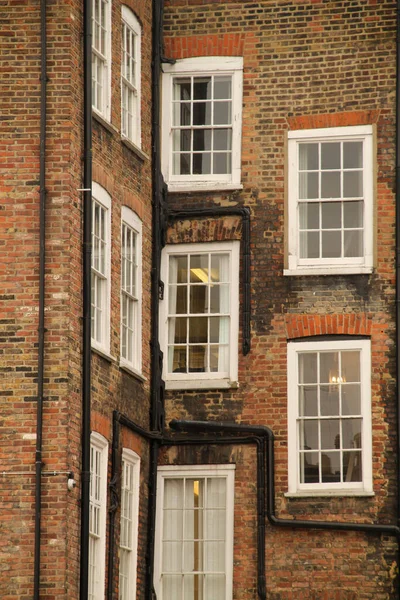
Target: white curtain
224	309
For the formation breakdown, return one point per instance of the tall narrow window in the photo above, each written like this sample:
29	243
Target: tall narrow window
101	250
200	314
195	533
97	515
129	525
130	76
131	289
101	56
329	416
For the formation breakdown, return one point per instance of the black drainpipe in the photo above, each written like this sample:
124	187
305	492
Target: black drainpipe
269	467
398	252
41	328
222	211
86	300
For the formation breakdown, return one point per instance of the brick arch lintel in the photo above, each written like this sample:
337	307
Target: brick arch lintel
336	119
299	326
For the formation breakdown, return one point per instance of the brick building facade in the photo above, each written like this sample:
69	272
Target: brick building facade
243	283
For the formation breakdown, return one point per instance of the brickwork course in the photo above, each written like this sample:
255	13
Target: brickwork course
307	64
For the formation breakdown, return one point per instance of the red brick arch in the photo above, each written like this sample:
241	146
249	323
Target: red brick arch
298	326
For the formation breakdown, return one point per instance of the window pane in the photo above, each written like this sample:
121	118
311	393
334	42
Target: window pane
202	163
331	244
178	330
222	113
308	372
197	359
177	360
223	87
309	244
330	467
330	155
308	157
352	466
309	215
331	215
199	268
182	114
308	401
330	434
329	400
351	429
222	163
308	186
351	365
329	367
309	435
201	139
173	493
172	586
351	399
214	556
202	113
352	214
178	266
353	243
352	155
352	184
219	267
182	88
202	88
177	302
182	140
198	299
309	467
330	185
222	139
198	330
214	587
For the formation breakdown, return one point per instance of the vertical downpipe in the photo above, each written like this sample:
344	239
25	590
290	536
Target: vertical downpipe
41	329
86	308
398	251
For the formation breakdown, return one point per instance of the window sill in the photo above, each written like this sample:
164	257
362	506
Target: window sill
103	121
201	384
328	493
200	186
131	371
106	355
135	149
336	270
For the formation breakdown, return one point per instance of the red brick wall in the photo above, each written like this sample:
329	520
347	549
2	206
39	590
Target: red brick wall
307	64
128	179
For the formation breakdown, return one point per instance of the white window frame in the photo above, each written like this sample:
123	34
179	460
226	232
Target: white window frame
130	86
226	471
210	65
324	266
365	487
131	220
203	380
98	500
103	199
104	61
129	516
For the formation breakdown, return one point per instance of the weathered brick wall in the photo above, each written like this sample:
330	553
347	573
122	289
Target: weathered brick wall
127	177
307	64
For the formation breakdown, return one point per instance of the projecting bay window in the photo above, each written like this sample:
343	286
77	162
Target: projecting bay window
330	202
329	413
194	533
130	76
97	516
199	315
101	56
202	122
100	276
